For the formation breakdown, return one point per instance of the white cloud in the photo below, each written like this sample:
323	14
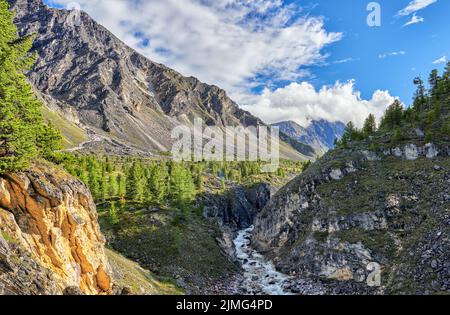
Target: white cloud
302	103
341	61
414	20
391	54
415	6
230	43
441	60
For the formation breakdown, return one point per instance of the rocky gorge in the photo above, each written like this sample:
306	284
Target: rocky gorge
357	214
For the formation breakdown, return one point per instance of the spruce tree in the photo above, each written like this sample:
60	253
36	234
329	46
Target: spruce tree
370	125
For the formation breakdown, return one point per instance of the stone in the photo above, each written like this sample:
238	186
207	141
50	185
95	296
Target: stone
434	264
72	291
419	133
431	151
336	174
126	291
411	152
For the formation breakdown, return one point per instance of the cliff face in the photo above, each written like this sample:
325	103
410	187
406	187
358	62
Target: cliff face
50	237
356	209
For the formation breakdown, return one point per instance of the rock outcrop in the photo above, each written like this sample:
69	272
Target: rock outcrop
237	208
50	238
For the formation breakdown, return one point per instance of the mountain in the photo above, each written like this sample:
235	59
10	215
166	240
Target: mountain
113	97
373	210
320	134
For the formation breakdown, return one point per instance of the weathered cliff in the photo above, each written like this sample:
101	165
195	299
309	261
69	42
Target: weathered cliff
50	239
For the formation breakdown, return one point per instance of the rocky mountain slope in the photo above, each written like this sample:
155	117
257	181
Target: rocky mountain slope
320	134
376	206
119	98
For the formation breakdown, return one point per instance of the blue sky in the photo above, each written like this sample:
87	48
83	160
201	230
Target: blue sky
288	59
423	43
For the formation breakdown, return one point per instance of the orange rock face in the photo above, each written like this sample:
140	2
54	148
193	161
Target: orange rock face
52	215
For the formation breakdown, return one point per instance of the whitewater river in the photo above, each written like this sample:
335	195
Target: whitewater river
260	275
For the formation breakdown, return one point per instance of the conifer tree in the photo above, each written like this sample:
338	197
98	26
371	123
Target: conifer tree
370	125
157	182
113	214
122	189
393	116
23	132
135	183
420	95
113	185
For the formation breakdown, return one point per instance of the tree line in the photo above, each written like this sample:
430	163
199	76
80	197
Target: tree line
159	182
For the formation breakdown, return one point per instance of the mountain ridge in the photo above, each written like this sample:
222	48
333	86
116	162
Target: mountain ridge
94	80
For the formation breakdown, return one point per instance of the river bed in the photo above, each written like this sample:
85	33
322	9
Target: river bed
260	275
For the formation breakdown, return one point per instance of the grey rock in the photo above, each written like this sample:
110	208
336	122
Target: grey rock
72	291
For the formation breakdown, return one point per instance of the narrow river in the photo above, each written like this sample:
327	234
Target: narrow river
260	275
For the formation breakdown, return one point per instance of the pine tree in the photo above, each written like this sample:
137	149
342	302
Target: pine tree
113	214
122	189
113	185
420	99
393	116
157	182
135	183
23	133
370	125
182	186
433	81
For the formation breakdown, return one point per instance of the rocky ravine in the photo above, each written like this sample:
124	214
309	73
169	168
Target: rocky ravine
355	211
50	241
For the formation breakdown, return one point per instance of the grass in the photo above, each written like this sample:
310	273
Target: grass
72	134
130	274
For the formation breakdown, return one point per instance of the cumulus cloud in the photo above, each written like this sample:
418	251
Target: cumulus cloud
235	44
301	102
414	20
441	60
415	6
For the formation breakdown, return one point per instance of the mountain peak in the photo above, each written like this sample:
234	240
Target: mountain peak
320	134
